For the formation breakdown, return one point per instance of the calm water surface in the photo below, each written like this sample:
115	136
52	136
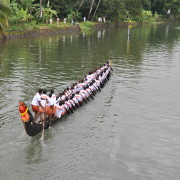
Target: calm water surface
131	130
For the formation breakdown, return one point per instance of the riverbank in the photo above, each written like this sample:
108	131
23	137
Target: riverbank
68	28
36	32
85	26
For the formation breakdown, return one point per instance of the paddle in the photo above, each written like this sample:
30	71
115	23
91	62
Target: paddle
90	95
71	110
87	98
96	88
84	99
78	101
92	92
76	105
72	105
66	110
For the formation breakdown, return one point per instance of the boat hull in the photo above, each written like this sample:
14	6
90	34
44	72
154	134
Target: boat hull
33	128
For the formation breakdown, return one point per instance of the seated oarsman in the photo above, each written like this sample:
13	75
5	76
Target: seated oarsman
88	90
53	96
98	71
94	85
80	85
60	110
72	102
35	103
67	103
72	89
74	99
89	77
58	98
67	92
78	96
63	97
93	75
95	72
75	88
97	82
64	106
105	74
109	72
101	79
83	93
92	88
85	82
102	68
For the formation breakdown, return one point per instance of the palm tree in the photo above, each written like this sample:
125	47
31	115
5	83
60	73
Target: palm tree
5	12
82	2
90	10
28	4
96	9
40	12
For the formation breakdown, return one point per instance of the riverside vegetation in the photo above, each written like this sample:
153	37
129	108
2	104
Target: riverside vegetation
18	15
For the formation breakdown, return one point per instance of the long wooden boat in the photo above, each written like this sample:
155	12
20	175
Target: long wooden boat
33	128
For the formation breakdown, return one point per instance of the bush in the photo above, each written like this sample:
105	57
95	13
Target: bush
86	26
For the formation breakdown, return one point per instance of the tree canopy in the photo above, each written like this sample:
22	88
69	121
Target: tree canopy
112	10
115	8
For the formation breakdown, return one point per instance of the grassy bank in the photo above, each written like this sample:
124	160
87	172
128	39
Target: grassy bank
29	29
33	25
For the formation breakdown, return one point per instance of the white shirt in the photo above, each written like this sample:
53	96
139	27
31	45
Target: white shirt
89	78
44	98
53	98
59	111
36	99
50	101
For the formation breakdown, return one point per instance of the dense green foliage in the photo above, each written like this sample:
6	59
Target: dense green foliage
41	11
5	13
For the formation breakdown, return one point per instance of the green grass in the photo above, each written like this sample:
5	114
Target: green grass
33	25
86	26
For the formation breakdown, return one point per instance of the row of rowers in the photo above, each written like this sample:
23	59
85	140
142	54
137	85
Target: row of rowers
71	96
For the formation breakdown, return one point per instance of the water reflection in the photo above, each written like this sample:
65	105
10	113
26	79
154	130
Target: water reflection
167	30
135	102
33	151
101	33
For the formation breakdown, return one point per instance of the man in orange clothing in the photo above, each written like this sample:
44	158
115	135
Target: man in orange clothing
42	108
35	103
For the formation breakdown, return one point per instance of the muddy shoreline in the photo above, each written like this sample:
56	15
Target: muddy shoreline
37	32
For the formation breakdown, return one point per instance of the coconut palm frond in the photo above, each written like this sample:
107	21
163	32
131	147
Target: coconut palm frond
3	19
5	9
1	28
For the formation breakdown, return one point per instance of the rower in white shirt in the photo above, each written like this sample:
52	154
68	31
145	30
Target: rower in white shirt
35	103
42	108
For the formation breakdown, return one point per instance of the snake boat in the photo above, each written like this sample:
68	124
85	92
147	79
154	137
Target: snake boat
33	127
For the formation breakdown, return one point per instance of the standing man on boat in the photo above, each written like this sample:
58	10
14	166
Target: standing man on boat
42	108
35	103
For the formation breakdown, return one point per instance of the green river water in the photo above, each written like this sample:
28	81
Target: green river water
130	131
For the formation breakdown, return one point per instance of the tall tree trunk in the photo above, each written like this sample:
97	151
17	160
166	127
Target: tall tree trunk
96	9
30	12
90	10
80	5
40	13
